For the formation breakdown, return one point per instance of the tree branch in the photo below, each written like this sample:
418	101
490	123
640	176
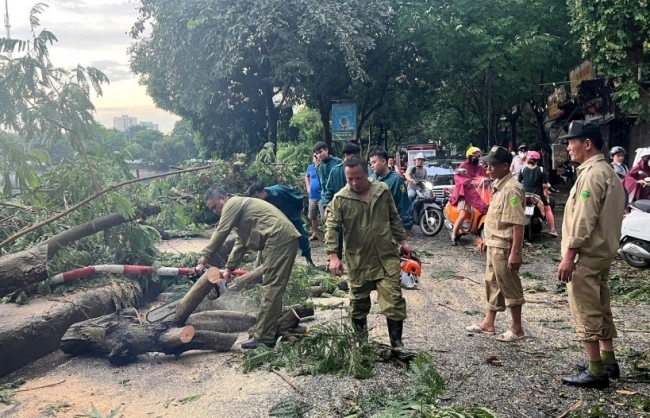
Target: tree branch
91	198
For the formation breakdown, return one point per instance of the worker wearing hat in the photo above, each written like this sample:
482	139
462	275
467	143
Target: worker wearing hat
504	238
590	237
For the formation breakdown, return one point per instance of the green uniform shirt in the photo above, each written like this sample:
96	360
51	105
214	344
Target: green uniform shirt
335	182
371	232
398	189
256	223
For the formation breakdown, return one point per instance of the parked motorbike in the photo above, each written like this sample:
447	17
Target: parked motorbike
535	216
426	212
568	173
635	235
474	222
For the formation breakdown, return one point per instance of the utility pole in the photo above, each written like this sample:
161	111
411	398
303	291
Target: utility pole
7	24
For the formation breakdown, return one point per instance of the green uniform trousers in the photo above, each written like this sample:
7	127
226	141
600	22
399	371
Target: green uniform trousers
278	262
389	292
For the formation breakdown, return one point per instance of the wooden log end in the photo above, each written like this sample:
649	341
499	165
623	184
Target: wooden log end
214	275
186	334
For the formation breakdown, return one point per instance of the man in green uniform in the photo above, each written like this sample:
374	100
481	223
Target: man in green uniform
327	163
382	172
504	239
259	226
591	232
365	211
290	202
336	180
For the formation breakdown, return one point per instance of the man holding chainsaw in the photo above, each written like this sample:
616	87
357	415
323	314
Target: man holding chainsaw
259	226
590	237
504	239
365	212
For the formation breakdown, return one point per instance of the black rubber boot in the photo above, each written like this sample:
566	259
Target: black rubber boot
395	333
361	327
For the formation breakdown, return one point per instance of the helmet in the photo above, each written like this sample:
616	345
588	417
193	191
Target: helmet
471	150
522	146
645	152
419	156
534	155
616	150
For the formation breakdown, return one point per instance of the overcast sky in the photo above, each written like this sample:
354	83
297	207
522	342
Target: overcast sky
94	33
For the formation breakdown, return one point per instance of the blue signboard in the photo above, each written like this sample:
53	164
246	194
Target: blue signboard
344	121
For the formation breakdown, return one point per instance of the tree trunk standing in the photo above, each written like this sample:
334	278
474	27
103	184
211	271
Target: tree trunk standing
324	111
272	113
513	118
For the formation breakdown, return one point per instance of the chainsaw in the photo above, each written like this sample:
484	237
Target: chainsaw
164	311
411	270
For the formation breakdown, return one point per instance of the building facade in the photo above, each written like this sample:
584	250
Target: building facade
124	122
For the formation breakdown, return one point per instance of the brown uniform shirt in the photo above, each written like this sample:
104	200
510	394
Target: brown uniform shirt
594	213
508	208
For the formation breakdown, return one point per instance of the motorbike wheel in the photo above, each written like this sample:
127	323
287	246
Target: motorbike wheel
637	262
551	202
436	221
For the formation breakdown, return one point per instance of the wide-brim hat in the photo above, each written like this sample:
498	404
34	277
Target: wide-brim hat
582	129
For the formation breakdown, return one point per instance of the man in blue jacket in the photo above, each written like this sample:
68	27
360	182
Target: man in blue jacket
383	173
290	202
327	163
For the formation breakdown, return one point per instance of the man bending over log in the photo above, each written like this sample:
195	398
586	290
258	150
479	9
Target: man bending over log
259	226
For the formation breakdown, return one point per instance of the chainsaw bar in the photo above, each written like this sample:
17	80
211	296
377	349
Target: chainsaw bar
162	312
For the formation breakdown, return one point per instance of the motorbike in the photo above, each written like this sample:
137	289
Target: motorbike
568	173
535	216
635	235
474	222
425	211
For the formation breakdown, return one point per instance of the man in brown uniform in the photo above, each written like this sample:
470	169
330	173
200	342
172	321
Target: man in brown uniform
259	226
366	213
590	236
504	237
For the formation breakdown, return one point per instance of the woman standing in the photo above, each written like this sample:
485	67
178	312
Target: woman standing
535	180
519	162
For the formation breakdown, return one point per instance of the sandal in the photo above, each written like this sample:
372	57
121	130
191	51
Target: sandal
477	328
313	238
553	234
509	337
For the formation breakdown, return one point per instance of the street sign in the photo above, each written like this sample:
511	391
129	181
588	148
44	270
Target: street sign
344	122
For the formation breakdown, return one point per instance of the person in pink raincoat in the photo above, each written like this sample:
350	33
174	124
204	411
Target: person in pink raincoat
634	181
465	196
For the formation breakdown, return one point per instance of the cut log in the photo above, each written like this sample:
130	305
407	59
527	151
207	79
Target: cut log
196	294
248	280
291	317
24	268
123	338
222	321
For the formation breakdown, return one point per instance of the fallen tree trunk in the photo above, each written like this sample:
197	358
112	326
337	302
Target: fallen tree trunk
248	280
24	268
30	332
222	321
123	338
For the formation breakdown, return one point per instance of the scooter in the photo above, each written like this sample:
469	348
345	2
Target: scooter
635	235
474	222
426	212
535	216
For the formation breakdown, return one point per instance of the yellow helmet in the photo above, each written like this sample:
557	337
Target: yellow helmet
471	151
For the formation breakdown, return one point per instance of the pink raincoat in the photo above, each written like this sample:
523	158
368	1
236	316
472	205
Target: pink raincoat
634	189
465	189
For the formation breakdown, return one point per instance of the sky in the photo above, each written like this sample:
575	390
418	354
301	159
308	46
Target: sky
94	33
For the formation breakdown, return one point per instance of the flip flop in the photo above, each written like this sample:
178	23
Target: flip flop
509	337
313	238
553	234
477	329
